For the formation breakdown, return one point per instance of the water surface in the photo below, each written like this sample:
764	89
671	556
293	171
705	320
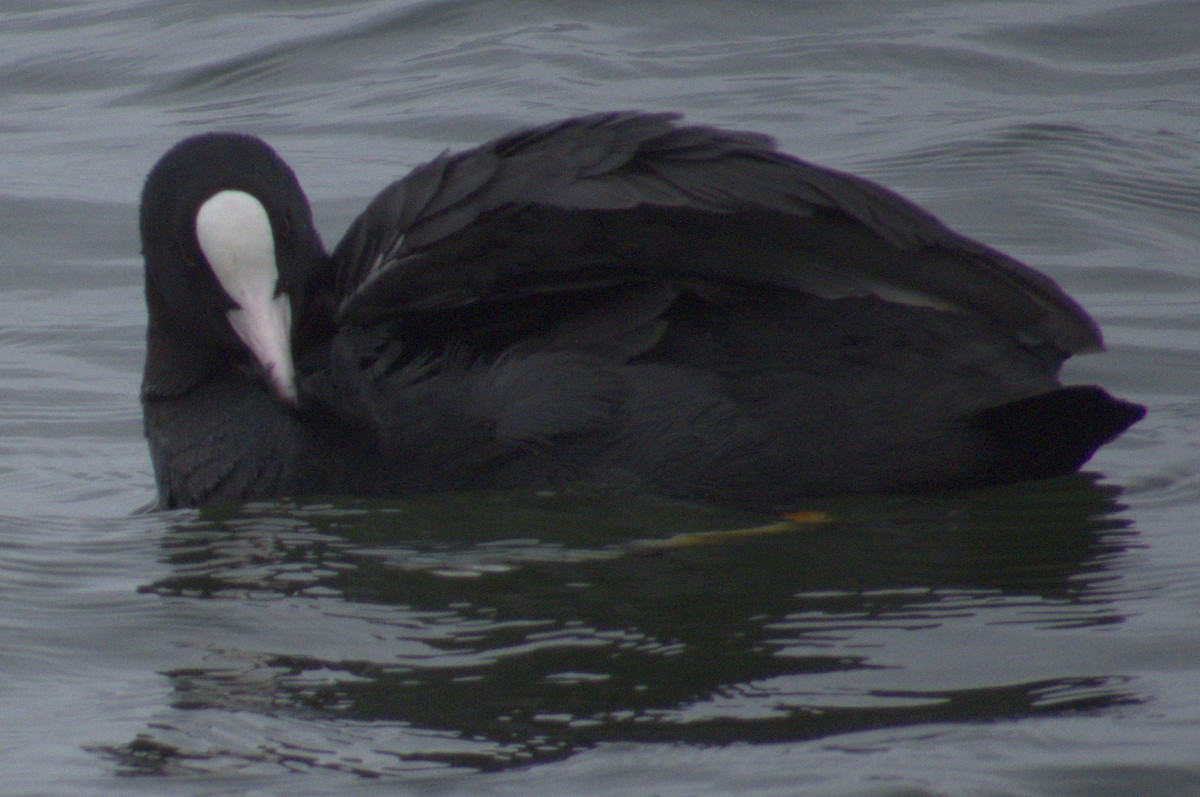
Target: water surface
1038	639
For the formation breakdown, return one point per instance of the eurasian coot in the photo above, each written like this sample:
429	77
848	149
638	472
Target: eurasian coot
615	299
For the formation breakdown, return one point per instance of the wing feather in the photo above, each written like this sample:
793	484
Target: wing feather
632	196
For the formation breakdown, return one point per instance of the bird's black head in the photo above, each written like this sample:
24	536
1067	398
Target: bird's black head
230	249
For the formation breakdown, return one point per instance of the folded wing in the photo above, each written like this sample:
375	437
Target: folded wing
602	201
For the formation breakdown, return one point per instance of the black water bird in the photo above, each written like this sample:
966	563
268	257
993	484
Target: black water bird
614	299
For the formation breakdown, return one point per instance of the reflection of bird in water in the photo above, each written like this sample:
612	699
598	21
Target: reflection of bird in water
507	628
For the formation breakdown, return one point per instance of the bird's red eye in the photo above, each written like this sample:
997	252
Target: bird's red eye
186	258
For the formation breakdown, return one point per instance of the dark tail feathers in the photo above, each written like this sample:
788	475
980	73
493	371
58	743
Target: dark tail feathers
1054	433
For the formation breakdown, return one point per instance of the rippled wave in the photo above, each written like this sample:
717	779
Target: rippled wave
1022	640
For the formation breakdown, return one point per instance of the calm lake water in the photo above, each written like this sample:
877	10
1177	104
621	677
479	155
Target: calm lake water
1041	639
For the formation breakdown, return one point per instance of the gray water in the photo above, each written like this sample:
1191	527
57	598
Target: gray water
1041	639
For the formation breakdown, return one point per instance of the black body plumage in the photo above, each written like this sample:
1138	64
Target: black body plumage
614	299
